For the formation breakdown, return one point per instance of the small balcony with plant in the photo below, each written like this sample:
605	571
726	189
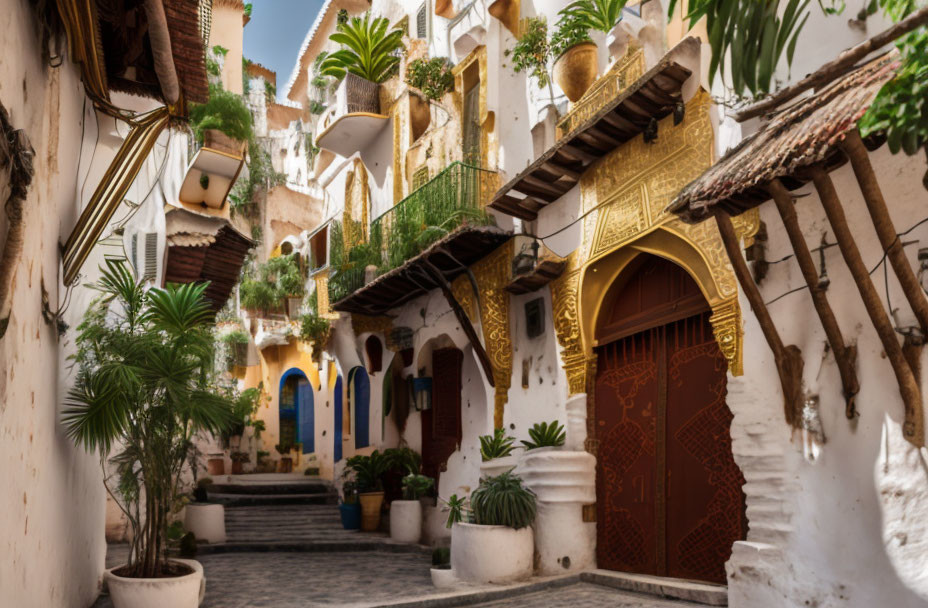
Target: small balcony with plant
369	54
443	206
274	289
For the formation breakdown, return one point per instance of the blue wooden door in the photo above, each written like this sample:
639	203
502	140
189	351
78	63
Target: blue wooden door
307	416
361	387
337	406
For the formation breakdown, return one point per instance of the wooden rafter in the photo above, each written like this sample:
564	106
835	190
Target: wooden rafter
845	355
913	428
788	359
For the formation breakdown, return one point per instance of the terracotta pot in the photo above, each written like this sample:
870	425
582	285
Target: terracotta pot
575	71
371	503
217	140
177	591
216	466
286	464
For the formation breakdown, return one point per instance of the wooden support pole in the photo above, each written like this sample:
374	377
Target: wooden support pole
853	146
461	315
913	428
845	356
788	359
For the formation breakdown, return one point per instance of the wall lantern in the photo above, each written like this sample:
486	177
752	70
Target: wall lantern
524	261
422	393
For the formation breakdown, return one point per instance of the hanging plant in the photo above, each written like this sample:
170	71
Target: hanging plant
431	76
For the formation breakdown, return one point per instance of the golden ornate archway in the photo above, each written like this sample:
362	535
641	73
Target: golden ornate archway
624	198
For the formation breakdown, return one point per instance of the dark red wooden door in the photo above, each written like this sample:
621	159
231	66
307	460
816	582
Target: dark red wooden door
669	493
441	425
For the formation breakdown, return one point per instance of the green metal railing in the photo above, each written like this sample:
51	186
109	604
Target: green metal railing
455	197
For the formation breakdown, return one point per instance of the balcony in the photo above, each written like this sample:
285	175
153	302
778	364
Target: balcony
354	120
213	171
449	207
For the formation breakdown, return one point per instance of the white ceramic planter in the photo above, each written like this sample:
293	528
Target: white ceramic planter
180	592
206	521
491	554
406	521
443	578
498	466
563	481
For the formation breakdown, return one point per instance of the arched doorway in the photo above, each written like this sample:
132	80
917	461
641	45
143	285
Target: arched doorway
359	405
296	411
669	494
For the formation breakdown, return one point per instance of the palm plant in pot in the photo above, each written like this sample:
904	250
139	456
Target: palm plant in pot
140	395
406	514
368	56
575	53
349	508
499	545
368	471
496	453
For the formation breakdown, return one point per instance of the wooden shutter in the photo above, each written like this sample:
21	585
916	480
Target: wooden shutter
446	393
151	256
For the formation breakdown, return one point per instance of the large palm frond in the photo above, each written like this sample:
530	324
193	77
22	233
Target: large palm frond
367	49
601	15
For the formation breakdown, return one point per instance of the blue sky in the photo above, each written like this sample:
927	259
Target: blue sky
276	31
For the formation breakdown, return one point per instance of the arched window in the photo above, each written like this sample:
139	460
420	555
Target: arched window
359	402
296	410
337	408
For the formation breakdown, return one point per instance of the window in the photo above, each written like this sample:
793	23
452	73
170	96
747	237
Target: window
422	21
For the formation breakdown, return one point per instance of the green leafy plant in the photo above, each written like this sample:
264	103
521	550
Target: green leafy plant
431	76
315	107
503	501
369	470
497	445
244	408
532	52
270	92
258	295
260	176
403	459
417	486
225	111
544	434
142	390
368	49
457	509
441	557
237	336
314	330
248	9
601	15
237	456
285	271
570	32
350	492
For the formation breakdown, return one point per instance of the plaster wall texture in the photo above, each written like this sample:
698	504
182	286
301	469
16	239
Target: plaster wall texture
52	504
226	30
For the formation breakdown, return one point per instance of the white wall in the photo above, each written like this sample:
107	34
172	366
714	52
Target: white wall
52	504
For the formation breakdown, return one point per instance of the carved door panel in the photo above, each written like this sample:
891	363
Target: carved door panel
705	500
441	425
669	494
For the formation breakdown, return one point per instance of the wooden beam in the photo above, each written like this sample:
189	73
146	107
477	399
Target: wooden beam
461	315
838	66
788	359
913	428
845	356
853	146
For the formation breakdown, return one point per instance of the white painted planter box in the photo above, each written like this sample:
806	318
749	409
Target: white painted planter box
491	554
180	592
406	521
206	521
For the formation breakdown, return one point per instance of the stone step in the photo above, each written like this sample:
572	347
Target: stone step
693	591
310	487
233	500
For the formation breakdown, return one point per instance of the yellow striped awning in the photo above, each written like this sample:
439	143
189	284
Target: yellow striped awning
80	23
112	189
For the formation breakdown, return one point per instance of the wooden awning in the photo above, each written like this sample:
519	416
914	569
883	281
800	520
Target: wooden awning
204	248
451	255
112	189
635	110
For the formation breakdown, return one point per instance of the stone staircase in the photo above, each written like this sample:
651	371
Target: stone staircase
271	489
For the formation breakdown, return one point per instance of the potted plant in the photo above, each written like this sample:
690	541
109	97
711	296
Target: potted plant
206	520
532	52
498	546
237	343
442	576
258	296
264	463
545	435
401	461
316	331
349	508
406	514
286	461
222	123
368	471
431	76
367	58
238	459
575	68
290	282
496	453
216	464
132	344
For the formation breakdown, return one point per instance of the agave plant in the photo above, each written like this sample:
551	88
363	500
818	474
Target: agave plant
368	49
143	391
601	15
503	501
369	470
497	445
544	434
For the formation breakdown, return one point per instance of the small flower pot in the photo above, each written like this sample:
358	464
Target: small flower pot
185	591
575	71
371	503
351	515
443	577
206	521
406	521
